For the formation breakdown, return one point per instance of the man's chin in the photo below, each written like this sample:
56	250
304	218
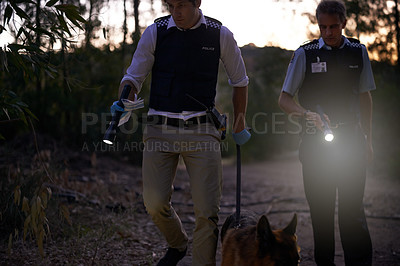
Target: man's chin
180	24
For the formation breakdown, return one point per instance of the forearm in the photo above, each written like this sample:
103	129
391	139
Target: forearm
288	105
292	108
239	99
366	114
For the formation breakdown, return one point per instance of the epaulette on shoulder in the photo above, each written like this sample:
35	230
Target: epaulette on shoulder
311	45
162	21
212	22
354	42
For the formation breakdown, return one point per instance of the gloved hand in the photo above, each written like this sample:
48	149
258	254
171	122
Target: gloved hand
116	107
242	137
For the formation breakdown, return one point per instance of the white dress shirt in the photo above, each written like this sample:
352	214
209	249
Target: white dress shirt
143	60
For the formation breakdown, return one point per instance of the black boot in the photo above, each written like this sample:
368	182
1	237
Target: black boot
172	257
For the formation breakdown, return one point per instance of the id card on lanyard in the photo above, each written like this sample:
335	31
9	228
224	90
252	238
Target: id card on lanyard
318	67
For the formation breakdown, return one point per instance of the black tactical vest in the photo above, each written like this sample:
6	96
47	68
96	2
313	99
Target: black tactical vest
332	80
186	63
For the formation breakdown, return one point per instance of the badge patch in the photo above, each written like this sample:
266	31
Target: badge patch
208	48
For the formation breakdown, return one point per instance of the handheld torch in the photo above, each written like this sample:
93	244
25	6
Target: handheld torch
111	132
328	134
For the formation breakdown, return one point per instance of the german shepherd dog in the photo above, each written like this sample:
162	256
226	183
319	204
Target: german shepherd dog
254	243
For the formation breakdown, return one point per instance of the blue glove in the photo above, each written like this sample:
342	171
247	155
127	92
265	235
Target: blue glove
116	107
242	137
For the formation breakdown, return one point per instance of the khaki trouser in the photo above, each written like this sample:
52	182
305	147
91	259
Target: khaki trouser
199	147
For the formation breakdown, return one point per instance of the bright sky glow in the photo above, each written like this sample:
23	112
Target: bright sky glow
261	22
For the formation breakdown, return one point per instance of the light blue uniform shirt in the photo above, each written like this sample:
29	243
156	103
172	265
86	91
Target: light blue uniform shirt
297	70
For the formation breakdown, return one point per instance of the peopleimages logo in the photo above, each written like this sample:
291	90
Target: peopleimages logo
134	146
260	123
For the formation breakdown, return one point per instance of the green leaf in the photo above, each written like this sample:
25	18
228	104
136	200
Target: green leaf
3	59
24	1
2	29
63	24
15	47
73	20
49	74
51	3
7	14
26	225
29	112
12	94
6	112
22	104
19	11
9	244
72	13
66	8
20	31
16	107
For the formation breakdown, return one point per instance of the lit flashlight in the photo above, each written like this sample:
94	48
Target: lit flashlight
328	134
109	136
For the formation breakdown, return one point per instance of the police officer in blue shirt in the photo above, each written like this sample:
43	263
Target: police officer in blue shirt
183	51
333	72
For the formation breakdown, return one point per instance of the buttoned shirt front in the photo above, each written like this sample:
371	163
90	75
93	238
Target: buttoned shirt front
297	69
143	60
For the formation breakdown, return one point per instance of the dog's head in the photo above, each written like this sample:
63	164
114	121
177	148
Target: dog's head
279	246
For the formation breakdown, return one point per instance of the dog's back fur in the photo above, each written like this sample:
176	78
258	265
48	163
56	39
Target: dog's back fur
253	242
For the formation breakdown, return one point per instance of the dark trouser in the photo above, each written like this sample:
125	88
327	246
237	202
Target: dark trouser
330	168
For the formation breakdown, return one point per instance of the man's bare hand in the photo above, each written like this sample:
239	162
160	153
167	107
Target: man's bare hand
316	119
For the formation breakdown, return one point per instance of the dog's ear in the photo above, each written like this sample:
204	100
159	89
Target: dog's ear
264	236
291	227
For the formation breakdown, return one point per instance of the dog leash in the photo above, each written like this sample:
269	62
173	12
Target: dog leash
238	183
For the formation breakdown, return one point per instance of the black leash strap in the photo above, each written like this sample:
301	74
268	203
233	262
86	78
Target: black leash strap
238	183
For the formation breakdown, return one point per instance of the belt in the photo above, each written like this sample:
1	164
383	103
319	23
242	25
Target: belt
176	122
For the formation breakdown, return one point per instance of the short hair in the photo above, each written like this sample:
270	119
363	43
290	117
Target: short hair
192	1
332	7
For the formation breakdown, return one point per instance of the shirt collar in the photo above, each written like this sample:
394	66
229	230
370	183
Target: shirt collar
202	20
321	43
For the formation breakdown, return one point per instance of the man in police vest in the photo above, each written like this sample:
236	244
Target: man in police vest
183	52
335	73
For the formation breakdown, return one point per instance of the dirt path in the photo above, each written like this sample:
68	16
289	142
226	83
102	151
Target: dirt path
101	235
276	188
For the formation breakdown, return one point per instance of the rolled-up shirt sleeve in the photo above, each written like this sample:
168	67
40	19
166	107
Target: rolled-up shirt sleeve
295	72
231	57
143	58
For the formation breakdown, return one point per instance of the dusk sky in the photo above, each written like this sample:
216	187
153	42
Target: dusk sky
262	22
